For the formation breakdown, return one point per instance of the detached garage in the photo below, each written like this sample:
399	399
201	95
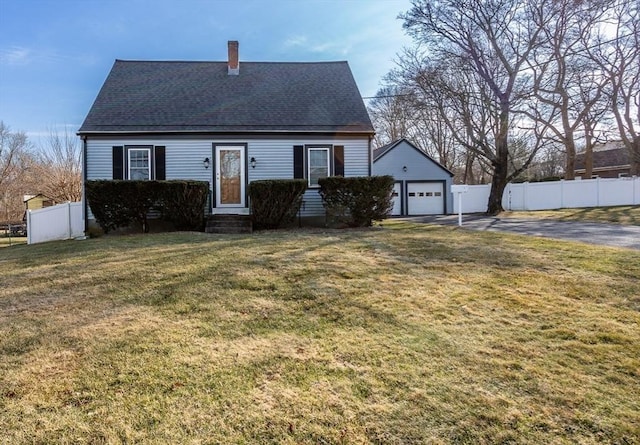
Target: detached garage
423	185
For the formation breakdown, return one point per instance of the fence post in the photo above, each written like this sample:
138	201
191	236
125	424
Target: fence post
68	219
598	191
562	193
29	227
525	192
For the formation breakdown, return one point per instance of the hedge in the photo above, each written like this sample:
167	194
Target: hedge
275	202
117	204
357	201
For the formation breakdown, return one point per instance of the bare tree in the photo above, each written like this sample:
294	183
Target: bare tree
434	137
618	58
490	41
60	167
15	160
566	85
391	114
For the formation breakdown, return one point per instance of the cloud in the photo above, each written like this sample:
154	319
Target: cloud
15	55
295	41
21	56
317	46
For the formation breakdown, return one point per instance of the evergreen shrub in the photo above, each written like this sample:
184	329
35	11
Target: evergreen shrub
117	204
357	201
275	202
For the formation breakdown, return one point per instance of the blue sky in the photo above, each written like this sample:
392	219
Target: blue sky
55	54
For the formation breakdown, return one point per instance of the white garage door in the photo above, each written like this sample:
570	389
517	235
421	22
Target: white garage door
425	198
397	201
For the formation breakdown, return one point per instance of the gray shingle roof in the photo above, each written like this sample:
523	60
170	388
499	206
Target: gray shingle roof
144	96
381	151
614	157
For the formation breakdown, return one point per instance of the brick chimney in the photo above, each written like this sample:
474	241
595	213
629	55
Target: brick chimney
234	63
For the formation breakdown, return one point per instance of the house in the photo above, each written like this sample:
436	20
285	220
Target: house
228	123
38	201
422	185
610	160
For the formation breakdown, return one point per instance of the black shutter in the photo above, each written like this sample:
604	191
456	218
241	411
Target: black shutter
338	160
118	162
298	162
159	158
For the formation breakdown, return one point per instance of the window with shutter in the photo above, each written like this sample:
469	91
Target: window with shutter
139	162
313	162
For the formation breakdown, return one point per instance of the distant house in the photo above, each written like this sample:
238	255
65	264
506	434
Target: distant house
228	123
35	202
610	160
423	185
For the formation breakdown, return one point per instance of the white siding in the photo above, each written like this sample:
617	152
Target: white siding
274	158
99	163
185	160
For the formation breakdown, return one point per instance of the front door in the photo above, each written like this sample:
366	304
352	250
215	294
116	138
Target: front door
230	176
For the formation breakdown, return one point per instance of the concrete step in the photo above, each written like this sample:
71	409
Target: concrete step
229	224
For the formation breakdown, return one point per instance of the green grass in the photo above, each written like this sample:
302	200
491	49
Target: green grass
405	334
627	215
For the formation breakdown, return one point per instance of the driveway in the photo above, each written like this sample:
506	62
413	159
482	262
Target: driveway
586	232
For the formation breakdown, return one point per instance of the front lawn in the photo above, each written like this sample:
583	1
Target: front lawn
397	335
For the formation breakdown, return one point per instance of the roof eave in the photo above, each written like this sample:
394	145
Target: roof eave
219	132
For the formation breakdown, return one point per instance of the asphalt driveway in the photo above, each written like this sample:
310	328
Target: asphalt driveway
586	232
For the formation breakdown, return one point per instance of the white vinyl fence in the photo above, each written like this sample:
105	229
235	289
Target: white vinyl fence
599	192
63	221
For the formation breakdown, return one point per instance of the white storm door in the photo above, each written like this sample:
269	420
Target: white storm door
230	176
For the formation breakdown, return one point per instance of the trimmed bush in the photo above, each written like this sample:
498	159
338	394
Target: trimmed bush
117	204
357	201
120	203
275	202
183	203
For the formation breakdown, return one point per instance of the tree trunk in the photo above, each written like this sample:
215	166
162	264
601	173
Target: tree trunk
588	161
588	150
498	181
498	184
570	165
468	169
501	163
634	157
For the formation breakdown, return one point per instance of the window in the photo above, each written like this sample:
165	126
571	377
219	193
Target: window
313	162
139	164
318	166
